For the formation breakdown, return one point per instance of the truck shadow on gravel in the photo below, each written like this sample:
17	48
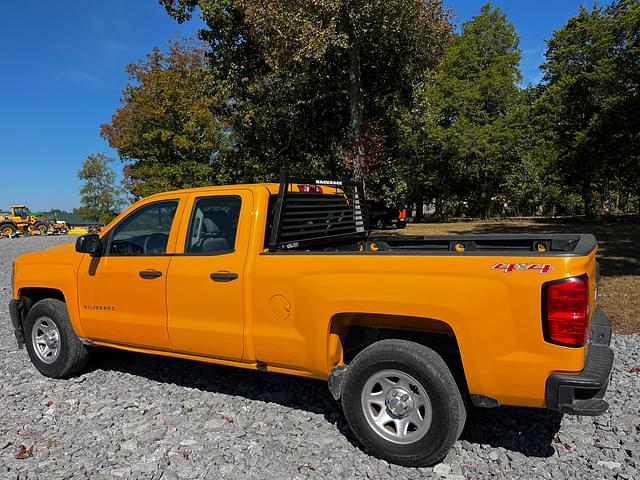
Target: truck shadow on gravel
530	431
525	430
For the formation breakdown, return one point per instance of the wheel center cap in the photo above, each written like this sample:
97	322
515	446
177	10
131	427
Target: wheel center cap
399	402
51	339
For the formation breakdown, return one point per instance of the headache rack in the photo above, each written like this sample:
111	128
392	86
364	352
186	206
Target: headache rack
311	213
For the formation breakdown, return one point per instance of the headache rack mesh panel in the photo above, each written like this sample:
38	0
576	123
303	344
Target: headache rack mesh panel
312	218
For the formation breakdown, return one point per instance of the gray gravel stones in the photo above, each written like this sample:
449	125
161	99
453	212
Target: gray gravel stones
140	416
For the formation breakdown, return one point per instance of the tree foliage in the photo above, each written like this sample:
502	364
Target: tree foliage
592	103
386	91
364	37
171	127
464	130
101	199
319	79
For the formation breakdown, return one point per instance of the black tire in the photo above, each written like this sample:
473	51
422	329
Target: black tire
380	223
41	227
402	225
426	367
7	229
51	315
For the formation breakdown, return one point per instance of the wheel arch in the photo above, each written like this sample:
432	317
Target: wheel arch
29	296
350	333
35	294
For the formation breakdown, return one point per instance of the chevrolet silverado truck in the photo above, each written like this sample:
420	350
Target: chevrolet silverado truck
409	331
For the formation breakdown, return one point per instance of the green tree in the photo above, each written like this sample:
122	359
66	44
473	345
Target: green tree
101	199
171	126
461	137
592	103
382	38
317	83
529	184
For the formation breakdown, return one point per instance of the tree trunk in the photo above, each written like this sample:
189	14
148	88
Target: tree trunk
587	198
355	94
485	202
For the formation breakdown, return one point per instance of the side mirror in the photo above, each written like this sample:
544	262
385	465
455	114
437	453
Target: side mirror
89	244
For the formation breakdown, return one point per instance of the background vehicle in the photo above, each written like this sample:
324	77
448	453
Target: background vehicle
408	331
21	220
381	216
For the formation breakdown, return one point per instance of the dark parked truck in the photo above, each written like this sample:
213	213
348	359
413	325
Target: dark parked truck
382	216
409	332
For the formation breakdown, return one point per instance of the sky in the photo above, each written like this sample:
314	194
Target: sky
63	72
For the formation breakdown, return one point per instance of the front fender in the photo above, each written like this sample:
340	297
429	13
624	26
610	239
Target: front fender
57	270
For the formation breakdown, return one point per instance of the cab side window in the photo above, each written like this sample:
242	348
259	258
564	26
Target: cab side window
144	231
213	225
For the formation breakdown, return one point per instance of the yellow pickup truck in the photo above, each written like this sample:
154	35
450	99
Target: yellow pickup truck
409	332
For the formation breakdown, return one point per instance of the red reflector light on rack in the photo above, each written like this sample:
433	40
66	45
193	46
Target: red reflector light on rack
310	188
565	311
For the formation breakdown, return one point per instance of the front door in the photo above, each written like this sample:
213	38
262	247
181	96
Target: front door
205	283
122	294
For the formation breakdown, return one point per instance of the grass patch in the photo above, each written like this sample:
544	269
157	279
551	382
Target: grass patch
618	254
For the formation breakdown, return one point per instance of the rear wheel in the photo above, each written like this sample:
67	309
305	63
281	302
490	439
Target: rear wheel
7	229
402	403
53	346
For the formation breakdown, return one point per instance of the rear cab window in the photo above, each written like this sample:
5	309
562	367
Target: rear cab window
213	225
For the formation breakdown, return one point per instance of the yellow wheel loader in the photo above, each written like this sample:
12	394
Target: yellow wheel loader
20	219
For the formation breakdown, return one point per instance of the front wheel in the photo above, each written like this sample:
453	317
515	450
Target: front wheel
53	346
402	403
8	229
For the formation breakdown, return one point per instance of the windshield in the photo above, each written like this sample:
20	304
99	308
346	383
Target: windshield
21	212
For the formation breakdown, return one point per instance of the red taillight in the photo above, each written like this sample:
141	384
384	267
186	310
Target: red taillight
403	214
565	311
310	188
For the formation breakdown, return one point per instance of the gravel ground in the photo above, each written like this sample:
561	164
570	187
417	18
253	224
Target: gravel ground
138	416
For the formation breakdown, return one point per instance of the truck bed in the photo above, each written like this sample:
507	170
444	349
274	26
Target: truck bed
480	244
319	216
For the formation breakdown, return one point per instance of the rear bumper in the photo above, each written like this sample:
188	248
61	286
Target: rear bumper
582	393
16	321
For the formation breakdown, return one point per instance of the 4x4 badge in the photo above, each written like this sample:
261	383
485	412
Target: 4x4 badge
530	267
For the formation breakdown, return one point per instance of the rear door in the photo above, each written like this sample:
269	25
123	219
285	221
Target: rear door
206	280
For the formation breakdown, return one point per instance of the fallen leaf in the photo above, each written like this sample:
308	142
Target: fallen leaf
227	419
185	454
306	468
49	403
635	370
24	452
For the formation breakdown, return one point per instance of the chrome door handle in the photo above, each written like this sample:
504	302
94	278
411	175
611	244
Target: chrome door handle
150	274
223	276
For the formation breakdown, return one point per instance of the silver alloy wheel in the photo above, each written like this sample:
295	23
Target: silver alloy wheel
45	339
396	406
